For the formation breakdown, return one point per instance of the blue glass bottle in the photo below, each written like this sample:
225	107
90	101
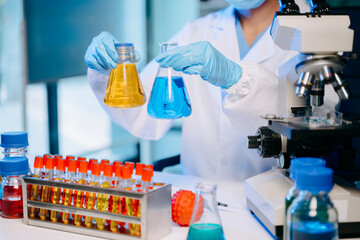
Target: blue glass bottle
169	98
297	164
312	214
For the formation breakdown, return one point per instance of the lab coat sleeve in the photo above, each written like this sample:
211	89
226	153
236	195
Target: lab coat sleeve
256	93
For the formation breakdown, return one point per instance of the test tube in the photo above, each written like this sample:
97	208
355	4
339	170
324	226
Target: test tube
56	191
91	196
138	172
34	192
67	193
128	202
45	192
79	195
103	199
114	207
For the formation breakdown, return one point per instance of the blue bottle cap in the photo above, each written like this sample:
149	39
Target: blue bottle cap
14	139
305	162
14	166
315	180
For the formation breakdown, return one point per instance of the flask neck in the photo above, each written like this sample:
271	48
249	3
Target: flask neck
126	52
15	152
205	209
164	46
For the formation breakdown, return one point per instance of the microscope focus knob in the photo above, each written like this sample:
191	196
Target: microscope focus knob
267	142
253	142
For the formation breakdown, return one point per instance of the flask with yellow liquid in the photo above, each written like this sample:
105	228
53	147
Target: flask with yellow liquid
124	88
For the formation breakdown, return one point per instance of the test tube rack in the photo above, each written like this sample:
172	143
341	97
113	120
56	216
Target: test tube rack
155	219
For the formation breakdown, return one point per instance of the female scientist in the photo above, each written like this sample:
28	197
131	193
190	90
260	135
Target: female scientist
232	64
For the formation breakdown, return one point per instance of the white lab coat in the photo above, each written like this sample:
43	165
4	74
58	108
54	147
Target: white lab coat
214	136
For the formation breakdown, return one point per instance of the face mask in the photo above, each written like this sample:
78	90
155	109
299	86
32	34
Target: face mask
245	4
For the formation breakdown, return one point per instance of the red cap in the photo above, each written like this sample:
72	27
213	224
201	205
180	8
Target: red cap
118	169
131	165
80	159
150	166
91	161
49	163
108	170
72	165
38	162
103	162
60	164
147	174
95	169
126	172
68	157
117	163
56	157
138	168
83	166
45	157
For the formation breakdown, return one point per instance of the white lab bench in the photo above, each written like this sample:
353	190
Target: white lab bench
237	221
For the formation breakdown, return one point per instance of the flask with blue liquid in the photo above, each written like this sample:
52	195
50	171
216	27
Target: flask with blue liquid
312	214
169	98
205	221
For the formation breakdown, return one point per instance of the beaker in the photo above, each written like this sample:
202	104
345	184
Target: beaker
124	88
169	98
205	221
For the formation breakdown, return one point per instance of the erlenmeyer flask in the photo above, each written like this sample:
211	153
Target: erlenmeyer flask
124	89
169	98
205	221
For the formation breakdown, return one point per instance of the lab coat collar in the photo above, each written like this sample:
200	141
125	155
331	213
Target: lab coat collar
227	42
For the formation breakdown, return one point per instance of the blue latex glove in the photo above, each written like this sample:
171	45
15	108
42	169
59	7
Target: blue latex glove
203	59
101	55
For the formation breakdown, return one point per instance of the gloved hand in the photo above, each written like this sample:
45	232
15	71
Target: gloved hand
101	55
203	59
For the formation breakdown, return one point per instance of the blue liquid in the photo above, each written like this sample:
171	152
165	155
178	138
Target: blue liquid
313	231
205	231
169	102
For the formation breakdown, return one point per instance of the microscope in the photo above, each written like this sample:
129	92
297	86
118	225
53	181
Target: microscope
304	126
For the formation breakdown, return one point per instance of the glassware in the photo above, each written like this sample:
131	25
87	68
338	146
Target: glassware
205	222
124	89
312	214
297	164
169	98
13	167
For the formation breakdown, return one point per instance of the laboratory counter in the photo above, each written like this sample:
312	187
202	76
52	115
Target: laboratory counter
237	221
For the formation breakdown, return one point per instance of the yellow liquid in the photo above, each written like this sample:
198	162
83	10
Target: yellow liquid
67	195
124	89
91	198
102	205
56	199
115	209
45	197
78	199
33	196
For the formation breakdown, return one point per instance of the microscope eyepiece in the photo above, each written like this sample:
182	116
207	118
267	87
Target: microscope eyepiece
289	7
320	7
